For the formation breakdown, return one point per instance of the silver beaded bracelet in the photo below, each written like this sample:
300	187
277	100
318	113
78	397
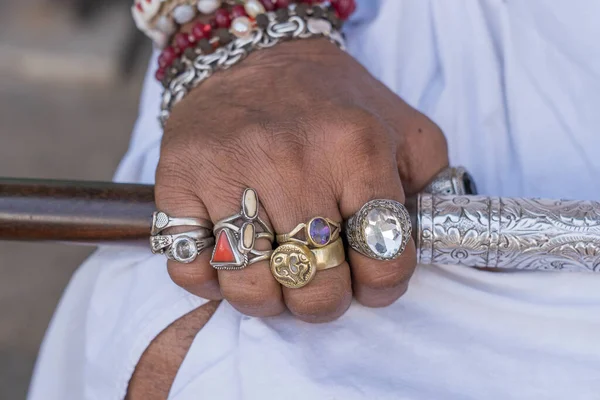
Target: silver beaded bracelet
204	65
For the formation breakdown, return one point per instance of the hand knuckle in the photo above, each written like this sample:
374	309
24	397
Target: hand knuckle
222	150
171	157
284	142
223	197
359	116
366	156
181	159
362	135
275	156
243	154
225	162
172	189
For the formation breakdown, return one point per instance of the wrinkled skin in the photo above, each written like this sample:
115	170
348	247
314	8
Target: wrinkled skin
315	134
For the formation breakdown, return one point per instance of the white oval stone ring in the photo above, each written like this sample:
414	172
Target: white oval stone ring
237	234
380	229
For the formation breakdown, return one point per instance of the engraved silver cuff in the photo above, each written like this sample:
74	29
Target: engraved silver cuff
511	233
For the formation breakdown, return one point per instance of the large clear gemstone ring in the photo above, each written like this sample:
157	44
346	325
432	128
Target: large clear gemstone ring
380	229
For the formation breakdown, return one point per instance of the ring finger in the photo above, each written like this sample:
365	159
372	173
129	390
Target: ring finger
321	287
382	269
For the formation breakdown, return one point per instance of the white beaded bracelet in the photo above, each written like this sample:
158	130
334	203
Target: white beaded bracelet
160	19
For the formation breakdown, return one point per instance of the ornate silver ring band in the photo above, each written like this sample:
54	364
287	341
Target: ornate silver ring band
452	180
380	229
159	243
236	236
162	221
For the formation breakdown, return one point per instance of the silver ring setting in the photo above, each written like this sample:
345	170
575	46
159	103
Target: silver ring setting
236	236
186	249
182	247
380	230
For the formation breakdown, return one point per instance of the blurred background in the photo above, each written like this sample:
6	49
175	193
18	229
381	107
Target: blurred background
70	76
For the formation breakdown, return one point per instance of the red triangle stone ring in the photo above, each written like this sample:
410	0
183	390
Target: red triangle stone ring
237	234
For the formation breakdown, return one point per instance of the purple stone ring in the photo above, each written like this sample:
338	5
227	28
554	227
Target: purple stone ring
318	232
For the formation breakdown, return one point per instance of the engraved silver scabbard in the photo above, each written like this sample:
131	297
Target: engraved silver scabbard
511	233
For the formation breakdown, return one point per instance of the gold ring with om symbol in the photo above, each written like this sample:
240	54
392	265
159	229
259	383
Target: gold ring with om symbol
319	232
294	265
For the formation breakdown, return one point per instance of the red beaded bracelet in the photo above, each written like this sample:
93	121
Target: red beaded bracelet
161	19
234	21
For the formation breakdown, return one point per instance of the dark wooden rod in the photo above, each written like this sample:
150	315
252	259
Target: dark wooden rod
72	211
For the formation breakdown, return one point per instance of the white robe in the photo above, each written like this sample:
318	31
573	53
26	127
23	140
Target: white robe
515	85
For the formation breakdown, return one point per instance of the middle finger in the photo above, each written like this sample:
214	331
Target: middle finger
249	286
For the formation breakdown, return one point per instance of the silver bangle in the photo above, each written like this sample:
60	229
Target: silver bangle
205	65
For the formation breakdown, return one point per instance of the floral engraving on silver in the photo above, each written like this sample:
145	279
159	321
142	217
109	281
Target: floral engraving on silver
452	180
380	229
236	236
162	221
205	65
512	233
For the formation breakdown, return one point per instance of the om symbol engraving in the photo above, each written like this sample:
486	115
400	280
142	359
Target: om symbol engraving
293	265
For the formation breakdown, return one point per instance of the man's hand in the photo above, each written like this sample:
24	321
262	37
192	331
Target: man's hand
316	135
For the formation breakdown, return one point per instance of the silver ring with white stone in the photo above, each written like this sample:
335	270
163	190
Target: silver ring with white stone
162	221
186	249
380	229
